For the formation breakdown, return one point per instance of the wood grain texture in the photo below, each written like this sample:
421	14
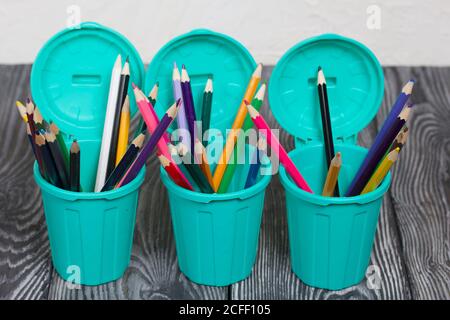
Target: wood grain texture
24	250
420	190
412	245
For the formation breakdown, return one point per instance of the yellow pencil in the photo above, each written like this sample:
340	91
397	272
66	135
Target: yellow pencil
381	171
124	127
332	175
237	125
22	110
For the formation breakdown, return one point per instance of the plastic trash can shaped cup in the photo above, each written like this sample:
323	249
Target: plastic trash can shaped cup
90	233
216	234
330	238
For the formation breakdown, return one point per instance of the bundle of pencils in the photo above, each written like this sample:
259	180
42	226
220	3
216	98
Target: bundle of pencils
50	149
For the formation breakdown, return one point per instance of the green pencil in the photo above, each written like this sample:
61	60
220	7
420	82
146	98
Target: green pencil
248	123
206	110
152	99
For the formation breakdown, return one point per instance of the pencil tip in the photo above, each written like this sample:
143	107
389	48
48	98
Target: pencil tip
175	65
28	100
319	68
157	83
183	66
133	85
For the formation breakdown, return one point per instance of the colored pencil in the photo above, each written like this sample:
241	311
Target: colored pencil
75	167
124	128
32	126
189	107
329	186
326	120
278	149
137	165
381	172
62	145
30	139
152	99
194	170
22	111
376	153
255	165
237	124
152	121
126	161
257	103
108	126
38	119
58	159
202	160
400	140
122	93
206	110
183	128
168	166
50	170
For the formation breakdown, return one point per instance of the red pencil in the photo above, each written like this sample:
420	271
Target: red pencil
173	173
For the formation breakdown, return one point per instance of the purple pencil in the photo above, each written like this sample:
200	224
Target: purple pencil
139	162
178	95
377	152
188	104
391	118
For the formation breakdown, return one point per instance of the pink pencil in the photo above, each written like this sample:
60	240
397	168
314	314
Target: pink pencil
152	121
277	148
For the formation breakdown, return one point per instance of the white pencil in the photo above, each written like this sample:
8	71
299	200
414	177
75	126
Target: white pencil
108	126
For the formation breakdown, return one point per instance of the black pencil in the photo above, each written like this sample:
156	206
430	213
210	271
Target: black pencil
126	161
194	169
122	93
49	165
58	159
326	121
75	167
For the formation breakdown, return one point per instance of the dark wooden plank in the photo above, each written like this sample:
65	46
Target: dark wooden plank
24	250
420	189
272	277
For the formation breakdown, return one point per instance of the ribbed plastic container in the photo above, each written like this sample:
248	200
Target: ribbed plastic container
90	232
216	235
330	238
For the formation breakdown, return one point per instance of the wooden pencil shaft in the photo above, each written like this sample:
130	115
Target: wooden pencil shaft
75	171
122	93
332	177
59	163
326	122
121	168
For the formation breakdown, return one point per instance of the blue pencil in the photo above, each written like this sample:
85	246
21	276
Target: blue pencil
253	171
381	137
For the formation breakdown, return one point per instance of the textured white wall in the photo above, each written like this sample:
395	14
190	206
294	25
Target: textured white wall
412	32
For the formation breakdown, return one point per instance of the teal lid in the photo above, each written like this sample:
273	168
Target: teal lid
205	54
71	75
355	84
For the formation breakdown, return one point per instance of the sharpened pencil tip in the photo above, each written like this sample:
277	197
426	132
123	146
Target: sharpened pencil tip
133	85
28	100
157	83
183	66
319	68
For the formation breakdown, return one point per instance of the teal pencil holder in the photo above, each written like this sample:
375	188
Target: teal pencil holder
216	235
90	233
330	237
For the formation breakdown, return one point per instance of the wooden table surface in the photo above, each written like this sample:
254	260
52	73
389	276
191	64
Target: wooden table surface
412	245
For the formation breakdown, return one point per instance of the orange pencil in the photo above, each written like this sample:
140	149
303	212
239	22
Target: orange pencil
237	125
200	154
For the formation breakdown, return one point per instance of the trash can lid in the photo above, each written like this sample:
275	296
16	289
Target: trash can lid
206	54
71	75
355	84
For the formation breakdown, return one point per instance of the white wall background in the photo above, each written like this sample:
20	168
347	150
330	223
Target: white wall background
412	32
